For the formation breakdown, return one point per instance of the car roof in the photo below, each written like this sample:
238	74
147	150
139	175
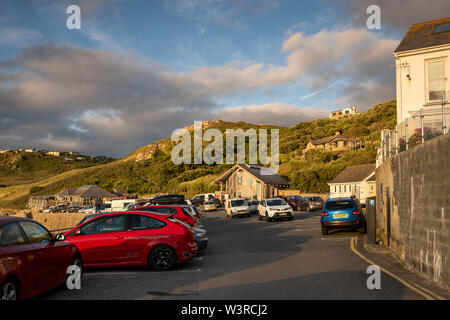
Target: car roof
9	219
340	199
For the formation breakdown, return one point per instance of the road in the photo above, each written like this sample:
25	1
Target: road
250	259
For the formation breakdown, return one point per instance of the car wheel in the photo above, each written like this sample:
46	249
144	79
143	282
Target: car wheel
162	258
268	218
260	218
308	209
291	218
9	290
79	263
324	231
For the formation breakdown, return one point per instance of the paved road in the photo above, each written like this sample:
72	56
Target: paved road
251	259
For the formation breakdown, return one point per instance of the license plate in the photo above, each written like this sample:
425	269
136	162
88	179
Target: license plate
340	215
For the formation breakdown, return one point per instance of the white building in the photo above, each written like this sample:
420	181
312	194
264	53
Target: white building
30	150
357	181
344	113
54	153
422	69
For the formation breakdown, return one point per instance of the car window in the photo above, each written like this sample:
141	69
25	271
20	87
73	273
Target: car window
35	232
139	222
11	235
238	203
275	202
114	223
165	210
339	205
187	212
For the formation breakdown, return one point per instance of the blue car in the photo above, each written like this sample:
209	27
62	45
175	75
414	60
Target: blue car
341	213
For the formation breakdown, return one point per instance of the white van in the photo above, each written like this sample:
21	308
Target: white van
236	207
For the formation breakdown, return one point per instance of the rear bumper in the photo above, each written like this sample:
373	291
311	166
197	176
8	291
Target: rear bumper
342	224
188	252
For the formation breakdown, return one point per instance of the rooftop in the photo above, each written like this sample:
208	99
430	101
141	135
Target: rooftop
426	34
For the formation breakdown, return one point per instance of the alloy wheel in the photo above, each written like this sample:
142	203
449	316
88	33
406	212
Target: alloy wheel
8	291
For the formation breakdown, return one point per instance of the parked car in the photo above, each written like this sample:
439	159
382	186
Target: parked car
179	212
200	237
200	199
133	239
341	213
91	210
32	261
73	209
209	206
168	199
253	206
236	207
276	208
311	204
293	201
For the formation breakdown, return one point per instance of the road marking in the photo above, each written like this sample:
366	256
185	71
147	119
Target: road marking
354	240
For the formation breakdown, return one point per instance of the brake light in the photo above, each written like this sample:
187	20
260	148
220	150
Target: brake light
356	212
324	213
310	202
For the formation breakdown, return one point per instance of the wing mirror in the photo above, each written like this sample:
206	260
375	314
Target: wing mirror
60	237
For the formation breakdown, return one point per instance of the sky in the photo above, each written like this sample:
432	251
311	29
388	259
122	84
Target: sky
138	70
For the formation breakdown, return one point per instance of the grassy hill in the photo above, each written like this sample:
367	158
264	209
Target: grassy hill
150	170
22	167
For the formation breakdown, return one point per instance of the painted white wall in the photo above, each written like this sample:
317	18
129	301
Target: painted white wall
412	92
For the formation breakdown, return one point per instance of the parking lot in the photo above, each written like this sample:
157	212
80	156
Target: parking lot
250	259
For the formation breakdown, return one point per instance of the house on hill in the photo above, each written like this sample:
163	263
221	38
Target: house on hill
344	113
338	142
357	181
249	181
422	71
89	195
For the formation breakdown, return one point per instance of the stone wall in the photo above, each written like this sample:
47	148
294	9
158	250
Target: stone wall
414	188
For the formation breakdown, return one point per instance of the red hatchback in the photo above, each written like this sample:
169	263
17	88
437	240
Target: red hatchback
133	239
178	212
31	260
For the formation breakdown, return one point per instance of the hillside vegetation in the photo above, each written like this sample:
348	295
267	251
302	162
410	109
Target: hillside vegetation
150	170
22	167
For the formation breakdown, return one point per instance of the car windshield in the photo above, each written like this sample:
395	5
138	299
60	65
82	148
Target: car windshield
275	202
253	203
294	198
339	205
238	203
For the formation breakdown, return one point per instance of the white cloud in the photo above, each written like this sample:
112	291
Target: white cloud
18	37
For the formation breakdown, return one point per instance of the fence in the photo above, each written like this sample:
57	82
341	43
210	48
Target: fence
414	130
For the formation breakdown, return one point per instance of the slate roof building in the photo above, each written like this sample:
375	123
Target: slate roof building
250	181
89	195
357	181
338	142
422	69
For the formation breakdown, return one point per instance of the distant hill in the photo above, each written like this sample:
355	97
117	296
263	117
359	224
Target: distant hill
26	167
150	170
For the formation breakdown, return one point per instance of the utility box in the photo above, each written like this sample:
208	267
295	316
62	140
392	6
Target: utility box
371	220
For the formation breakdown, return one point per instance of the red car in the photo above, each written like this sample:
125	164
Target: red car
179	212
31	260
133	239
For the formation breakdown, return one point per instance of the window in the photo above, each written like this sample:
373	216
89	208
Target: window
442	28
436	80
108	224
239	177
337	205
139	222
164	210
35	232
11	235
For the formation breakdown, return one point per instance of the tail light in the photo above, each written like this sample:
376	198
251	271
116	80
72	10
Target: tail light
310	202
324	214
357	212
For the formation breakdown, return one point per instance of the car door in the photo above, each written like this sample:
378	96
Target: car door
143	233
17	257
47	265
102	241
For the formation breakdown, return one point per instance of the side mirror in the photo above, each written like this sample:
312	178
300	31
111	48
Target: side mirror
60	237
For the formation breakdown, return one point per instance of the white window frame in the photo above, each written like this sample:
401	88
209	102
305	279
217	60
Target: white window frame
427	62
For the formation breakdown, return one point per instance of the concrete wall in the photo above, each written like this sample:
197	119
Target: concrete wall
415	184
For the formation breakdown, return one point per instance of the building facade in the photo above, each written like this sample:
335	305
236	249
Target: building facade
357	181
338	142
344	113
422	69
247	181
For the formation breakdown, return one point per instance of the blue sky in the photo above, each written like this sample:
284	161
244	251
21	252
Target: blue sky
137	70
